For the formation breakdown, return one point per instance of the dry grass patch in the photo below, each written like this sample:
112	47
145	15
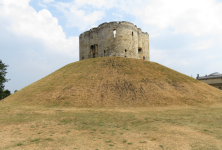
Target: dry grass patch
116	81
26	127
113	103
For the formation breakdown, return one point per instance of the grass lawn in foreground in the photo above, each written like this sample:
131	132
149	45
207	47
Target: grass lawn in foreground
56	127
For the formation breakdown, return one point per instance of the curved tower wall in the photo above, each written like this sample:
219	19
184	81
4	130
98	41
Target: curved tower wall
129	41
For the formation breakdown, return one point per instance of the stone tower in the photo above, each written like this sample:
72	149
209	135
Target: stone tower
121	39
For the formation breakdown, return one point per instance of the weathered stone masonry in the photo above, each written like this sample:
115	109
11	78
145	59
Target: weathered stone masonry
121	39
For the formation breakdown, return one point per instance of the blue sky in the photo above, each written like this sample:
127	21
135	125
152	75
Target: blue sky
38	37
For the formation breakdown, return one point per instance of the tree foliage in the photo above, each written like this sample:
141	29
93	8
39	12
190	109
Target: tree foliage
3	93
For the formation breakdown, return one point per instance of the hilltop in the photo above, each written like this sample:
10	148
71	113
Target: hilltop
116	81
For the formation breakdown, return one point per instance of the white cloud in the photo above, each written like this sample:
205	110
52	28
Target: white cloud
41	25
202	45
197	17
77	17
118	15
42	5
157	55
48	1
97	3
32	43
18	3
92	26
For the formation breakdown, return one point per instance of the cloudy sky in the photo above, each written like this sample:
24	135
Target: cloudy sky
38	37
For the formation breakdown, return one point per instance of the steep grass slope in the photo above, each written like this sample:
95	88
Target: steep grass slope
115	81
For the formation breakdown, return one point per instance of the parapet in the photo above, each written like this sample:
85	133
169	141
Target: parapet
113	23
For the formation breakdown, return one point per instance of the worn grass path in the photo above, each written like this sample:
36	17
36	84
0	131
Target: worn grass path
56	127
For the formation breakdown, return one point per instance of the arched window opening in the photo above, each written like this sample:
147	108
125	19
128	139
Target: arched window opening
82	58
143	58
125	50
94	51
132	33
114	33
104	54
92	47
139	50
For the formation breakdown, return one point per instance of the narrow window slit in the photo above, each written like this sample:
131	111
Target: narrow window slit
114	33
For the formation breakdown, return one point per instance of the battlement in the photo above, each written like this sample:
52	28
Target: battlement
122	39
112	24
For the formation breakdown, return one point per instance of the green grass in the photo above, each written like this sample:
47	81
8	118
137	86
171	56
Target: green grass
35	140
20	144
49	139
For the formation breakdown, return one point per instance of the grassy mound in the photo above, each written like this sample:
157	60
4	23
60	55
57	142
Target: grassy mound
116	81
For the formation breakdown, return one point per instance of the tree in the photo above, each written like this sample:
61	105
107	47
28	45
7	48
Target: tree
4	94
3	72
2	75
7	92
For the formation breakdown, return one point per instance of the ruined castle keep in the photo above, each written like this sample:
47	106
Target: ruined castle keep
122	39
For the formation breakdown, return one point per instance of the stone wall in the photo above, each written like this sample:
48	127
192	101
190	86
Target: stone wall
121	39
